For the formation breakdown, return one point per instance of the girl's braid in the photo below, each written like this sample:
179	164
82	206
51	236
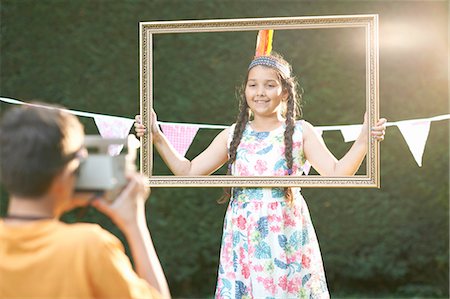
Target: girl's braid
288	133
241	122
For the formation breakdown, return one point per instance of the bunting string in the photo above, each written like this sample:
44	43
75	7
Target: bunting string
414	131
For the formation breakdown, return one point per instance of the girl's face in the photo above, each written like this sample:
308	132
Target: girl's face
264	92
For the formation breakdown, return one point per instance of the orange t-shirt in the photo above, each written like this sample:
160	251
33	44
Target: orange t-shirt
51	259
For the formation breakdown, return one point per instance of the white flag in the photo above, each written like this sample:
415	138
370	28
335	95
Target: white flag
416	135
351	132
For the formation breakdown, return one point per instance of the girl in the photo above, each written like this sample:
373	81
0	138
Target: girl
269	247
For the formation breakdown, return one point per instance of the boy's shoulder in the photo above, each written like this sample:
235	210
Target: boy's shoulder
86	233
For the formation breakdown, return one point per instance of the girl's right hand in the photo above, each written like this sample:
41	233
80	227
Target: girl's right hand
141	129
138	126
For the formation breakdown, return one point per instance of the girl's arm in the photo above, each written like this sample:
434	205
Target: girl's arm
205	163
323	160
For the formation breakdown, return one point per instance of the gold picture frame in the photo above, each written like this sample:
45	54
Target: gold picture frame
147	30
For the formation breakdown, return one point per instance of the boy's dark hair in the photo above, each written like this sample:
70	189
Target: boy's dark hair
32	148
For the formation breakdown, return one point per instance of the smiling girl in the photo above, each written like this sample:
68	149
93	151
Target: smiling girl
269	246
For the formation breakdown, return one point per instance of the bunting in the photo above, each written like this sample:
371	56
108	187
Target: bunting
414	131
113	127
416	135
306	167
351	132
179	136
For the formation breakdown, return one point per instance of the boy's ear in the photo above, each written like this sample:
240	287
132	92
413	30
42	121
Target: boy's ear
57	184
60	181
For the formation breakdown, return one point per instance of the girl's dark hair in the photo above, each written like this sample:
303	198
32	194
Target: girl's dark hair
291	112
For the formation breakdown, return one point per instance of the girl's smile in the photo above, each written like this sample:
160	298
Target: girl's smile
263	92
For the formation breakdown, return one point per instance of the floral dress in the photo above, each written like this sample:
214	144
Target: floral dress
269	248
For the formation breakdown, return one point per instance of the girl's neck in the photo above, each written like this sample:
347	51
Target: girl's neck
264	124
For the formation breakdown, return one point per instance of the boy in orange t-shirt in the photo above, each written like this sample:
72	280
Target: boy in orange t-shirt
41	257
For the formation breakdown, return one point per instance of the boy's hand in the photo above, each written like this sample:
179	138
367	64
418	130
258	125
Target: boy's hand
129	206
79	200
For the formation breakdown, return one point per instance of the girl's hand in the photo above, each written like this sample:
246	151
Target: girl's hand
141	129
138	126
378	131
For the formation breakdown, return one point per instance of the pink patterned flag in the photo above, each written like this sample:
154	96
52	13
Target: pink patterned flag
113	127
180	136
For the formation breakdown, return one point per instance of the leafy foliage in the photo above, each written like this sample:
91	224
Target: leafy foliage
84	55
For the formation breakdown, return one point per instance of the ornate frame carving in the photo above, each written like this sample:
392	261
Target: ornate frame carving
368	22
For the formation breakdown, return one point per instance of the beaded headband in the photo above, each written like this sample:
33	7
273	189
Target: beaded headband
262	54
271	62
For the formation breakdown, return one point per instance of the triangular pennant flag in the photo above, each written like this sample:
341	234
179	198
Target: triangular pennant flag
180	136
306	167
113	127
416	135
351	132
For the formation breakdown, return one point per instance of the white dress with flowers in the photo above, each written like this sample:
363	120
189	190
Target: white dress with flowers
269	248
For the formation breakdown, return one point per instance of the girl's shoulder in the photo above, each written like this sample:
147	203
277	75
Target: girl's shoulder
229	132
232	127
302	124
307	128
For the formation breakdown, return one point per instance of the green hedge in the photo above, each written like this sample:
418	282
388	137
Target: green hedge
388	242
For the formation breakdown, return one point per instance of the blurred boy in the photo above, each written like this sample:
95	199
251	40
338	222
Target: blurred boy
41	257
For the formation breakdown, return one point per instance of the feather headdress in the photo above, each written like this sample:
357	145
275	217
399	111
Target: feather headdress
264	43
263	51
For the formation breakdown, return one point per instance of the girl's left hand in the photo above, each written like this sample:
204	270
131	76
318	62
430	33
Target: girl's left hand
378	131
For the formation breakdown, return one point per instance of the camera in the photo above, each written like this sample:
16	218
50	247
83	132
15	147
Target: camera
102	172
